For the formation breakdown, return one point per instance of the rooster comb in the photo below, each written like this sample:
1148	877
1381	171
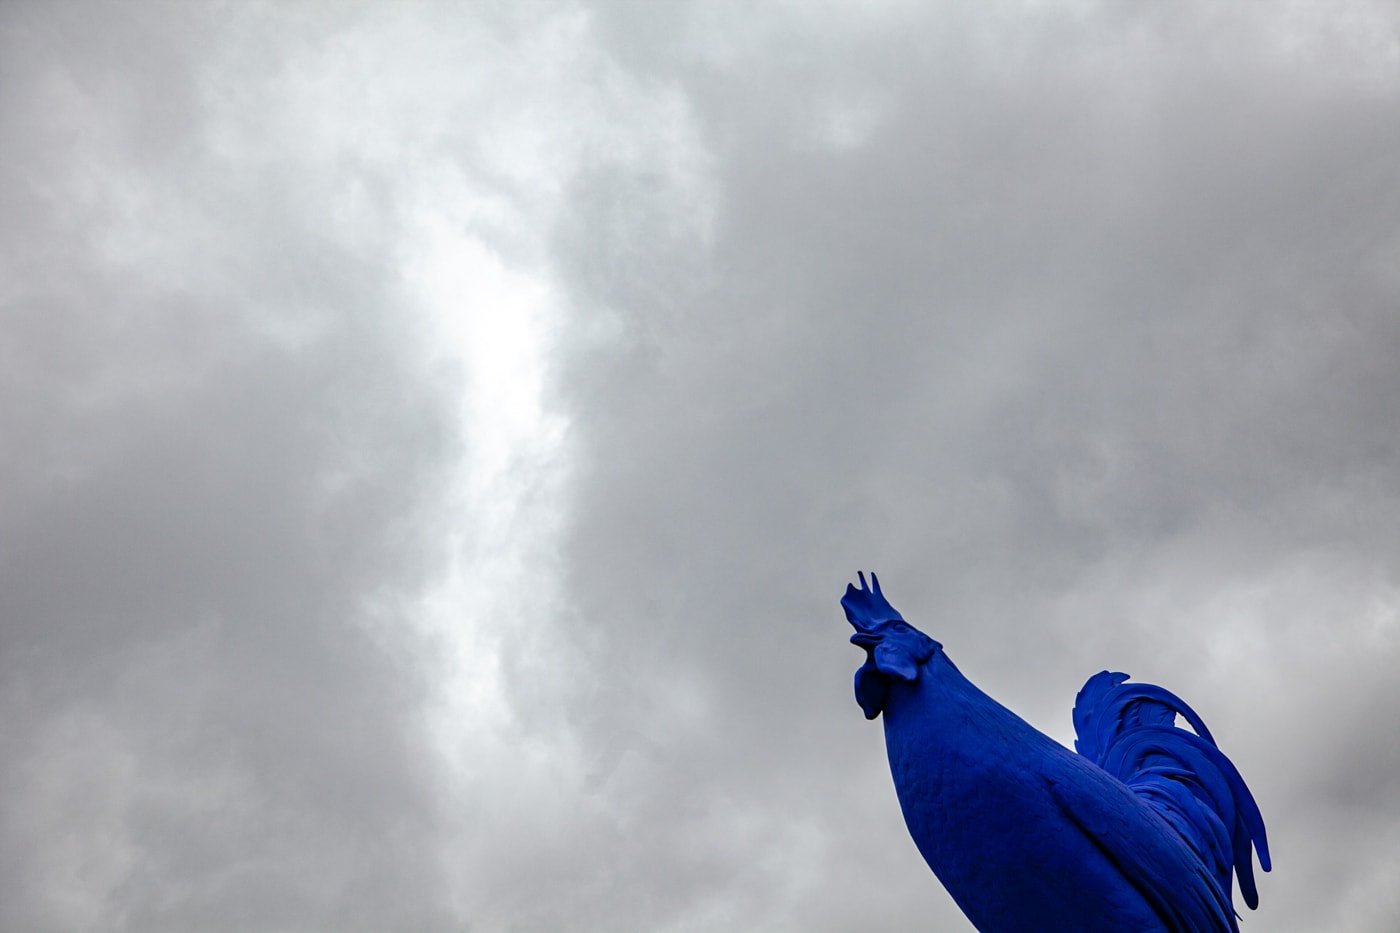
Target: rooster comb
867	607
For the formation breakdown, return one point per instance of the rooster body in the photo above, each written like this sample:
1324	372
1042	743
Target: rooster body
1140	832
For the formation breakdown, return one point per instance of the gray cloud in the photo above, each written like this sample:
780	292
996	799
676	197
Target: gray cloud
220	455
1076	322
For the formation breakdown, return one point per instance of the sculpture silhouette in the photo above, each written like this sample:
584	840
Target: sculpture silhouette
1139	832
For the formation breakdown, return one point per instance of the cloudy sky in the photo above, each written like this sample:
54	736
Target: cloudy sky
434	438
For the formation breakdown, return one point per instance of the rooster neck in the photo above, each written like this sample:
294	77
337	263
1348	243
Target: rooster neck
947	740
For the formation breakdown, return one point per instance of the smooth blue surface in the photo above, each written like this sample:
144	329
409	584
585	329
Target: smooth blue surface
1139	831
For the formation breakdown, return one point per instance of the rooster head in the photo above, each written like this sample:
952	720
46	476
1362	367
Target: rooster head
894	649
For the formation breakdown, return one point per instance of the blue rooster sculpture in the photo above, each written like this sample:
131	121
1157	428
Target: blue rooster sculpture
1140	832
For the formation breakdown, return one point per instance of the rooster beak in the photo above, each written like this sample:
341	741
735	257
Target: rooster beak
866	640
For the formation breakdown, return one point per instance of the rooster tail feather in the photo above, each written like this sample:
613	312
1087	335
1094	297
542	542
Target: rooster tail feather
1129	730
